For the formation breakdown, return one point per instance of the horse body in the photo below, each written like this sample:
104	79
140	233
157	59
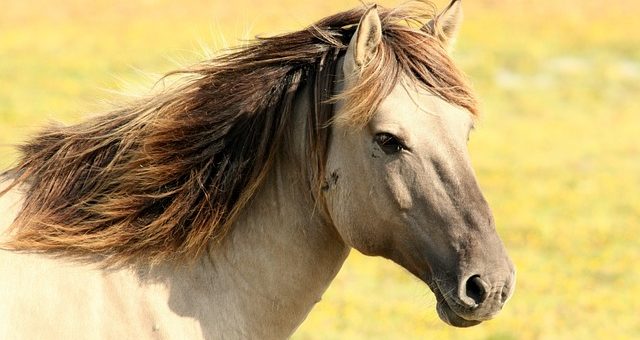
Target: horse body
189	217
247	288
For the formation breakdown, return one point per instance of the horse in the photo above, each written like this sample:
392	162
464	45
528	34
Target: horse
223	205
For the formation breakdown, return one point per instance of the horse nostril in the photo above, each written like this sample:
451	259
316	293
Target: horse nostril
476	289
504	295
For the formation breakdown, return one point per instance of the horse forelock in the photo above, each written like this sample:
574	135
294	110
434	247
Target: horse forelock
165	176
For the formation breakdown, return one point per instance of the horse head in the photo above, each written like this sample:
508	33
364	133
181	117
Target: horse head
403	185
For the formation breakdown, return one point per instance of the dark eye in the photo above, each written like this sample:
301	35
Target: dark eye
389	143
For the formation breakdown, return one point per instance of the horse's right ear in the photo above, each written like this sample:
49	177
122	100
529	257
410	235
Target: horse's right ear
445	26
365	41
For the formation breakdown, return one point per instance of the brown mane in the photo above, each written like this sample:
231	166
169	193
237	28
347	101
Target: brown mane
165	176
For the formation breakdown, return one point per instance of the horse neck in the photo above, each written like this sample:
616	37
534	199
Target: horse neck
278	258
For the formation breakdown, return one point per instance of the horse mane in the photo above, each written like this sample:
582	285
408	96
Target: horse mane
165	176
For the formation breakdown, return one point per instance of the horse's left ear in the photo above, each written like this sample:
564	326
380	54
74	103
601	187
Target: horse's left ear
365	41
446	25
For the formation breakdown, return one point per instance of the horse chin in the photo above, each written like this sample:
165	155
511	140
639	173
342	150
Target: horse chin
450	317
445	312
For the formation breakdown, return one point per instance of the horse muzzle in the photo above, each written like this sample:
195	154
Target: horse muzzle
475	300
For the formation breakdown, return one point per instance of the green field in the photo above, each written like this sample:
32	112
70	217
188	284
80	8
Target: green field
557	150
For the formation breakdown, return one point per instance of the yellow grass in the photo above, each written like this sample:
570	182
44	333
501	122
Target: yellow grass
557	151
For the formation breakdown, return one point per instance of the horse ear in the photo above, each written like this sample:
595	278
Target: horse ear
446	25
365	40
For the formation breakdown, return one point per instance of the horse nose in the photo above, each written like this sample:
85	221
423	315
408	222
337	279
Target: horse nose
475	291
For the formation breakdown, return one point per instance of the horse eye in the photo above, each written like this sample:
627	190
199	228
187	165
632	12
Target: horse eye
389	143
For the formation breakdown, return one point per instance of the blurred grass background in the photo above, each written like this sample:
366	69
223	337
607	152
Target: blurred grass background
557	150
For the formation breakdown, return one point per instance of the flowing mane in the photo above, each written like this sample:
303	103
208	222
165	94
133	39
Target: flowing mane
165	176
